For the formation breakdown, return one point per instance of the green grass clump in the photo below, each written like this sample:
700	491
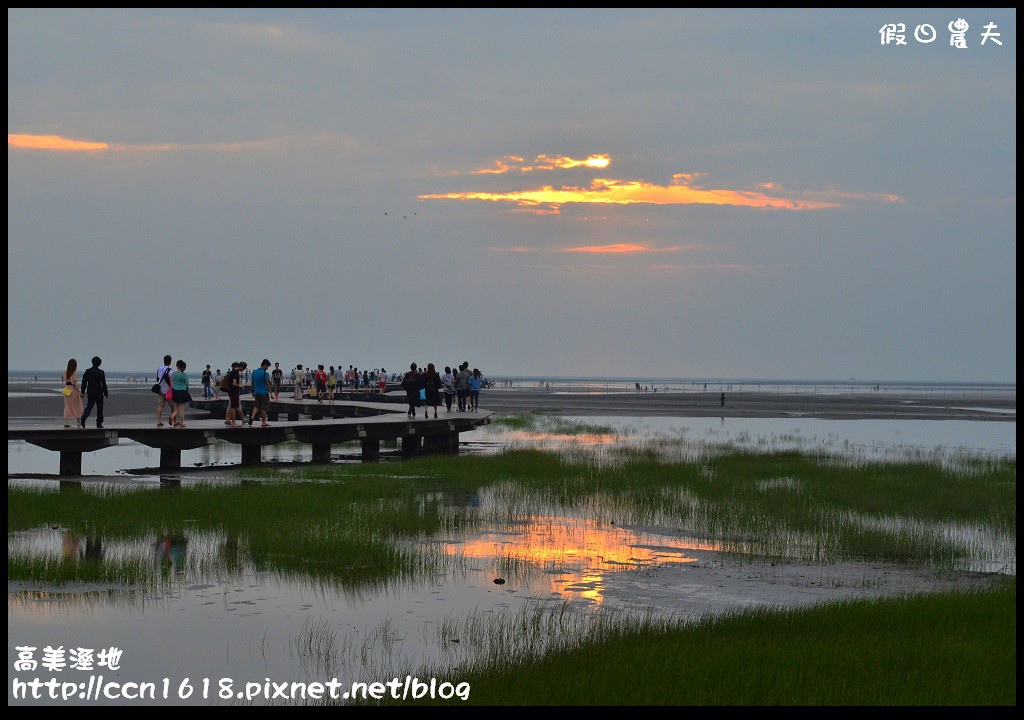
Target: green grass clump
943	649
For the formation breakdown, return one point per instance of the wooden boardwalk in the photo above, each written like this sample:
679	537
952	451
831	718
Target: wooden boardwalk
329	423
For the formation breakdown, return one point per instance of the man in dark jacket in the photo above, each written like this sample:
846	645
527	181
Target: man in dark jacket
94	389
411	383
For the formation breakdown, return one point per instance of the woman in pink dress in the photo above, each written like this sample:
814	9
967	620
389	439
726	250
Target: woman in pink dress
73	406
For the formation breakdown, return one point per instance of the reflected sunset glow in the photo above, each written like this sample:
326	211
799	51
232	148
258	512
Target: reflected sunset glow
576	554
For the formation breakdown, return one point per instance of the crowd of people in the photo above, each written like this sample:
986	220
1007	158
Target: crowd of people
425	387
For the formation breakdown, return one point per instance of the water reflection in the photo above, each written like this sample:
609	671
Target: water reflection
208	609
202	606
573	554
75	548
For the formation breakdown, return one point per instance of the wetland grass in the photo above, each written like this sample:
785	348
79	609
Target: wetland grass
951	649
364	525
353	522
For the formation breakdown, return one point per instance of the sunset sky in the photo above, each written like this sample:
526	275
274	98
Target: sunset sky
731	193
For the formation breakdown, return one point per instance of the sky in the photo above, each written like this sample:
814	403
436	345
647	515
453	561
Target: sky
681	193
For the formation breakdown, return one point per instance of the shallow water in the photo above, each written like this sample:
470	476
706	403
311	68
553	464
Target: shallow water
863	439
234	623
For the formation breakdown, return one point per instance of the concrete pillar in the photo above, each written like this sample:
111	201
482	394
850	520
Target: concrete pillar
371	450
70	462
170	458
252	454
411	445
321	452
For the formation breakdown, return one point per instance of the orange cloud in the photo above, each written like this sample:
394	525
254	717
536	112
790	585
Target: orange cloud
53	142
514	163
681	191
61	144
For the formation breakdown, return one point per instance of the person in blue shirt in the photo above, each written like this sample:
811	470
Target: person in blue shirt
476	381
261	389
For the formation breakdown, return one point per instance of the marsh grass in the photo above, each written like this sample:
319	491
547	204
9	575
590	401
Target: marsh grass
368	526
128	572
357	522
955	649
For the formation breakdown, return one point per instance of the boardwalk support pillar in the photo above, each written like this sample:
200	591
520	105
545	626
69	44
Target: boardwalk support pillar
321	452
252	454
371	450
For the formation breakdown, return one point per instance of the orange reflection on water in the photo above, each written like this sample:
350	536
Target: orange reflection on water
573	554
556	438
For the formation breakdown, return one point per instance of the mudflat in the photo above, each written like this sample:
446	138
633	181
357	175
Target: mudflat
32	401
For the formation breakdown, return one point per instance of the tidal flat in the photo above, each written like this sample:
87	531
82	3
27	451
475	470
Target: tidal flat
455	564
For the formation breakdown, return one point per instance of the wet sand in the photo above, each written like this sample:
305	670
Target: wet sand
42	401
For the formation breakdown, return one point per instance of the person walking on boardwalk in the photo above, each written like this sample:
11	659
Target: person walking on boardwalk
412	383
163	378
218	379
476	381
432	389
243	384
94	388
297	372
207	380
320	381
462	385
276	378
448	385
180	396
261	389
72	396
332	381
233	380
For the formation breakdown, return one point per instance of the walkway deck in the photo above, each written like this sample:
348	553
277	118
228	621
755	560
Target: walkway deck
368	423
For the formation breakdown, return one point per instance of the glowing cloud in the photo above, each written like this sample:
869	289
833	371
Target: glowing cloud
682	190
61	144
53	142
514	163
